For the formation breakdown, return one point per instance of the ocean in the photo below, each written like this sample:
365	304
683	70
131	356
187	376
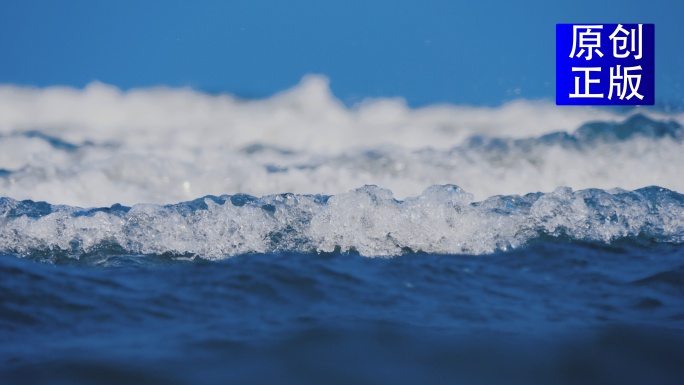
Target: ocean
167	236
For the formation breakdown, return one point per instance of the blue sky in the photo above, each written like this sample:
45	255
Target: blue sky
481	53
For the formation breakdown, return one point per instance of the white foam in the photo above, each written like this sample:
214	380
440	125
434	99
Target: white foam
164	145
306	117
368	220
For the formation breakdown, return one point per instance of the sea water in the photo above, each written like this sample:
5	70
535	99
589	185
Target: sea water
167	236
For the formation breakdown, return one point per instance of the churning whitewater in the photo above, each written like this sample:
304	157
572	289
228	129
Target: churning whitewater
99	146
165	236
443	220
525	170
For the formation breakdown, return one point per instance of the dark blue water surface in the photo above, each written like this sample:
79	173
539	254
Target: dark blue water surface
553	312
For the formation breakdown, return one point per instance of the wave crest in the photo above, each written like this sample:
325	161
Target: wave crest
368	220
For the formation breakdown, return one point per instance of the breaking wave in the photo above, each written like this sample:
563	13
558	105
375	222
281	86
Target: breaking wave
368	220
100	146
309	185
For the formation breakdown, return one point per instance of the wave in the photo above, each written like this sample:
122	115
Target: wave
307	117
368	220
100	146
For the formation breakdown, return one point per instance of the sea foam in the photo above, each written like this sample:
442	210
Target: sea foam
99	146
442	220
